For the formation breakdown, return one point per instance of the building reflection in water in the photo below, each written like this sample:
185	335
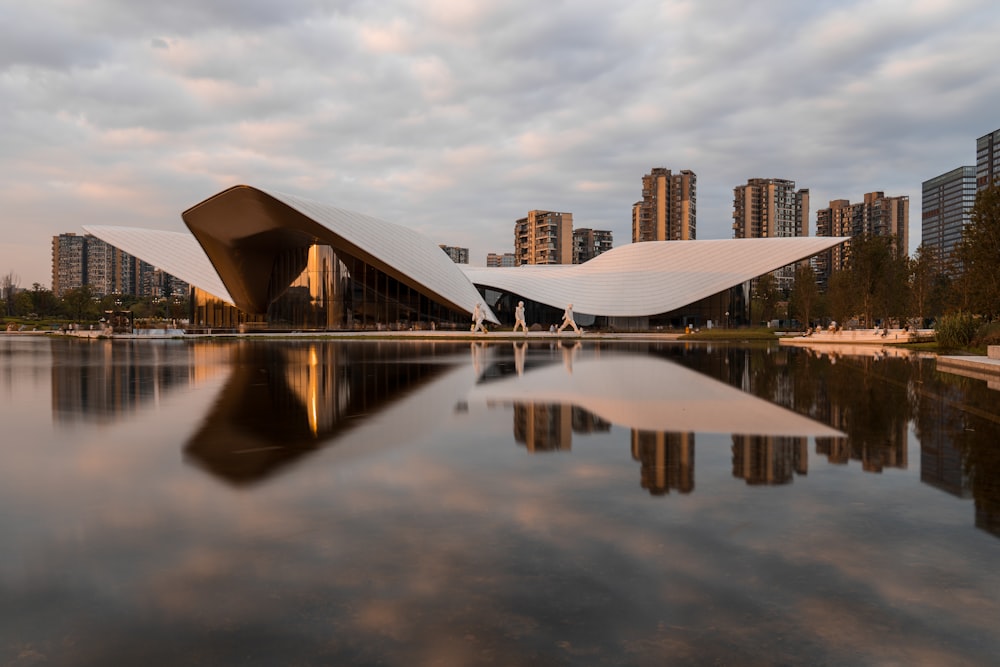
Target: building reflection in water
282	402
667	461
102	381
770	460
549	427
663	404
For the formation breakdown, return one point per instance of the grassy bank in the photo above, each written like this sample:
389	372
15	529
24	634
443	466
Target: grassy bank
734	335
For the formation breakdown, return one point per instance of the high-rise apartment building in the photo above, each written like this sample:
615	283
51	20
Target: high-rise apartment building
69	263
87	260
987	159
877	215
668	208
945	205
544	237
589	243
458	255
498	260
770	207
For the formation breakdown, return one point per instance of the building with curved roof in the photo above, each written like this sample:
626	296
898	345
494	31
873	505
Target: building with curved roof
274	259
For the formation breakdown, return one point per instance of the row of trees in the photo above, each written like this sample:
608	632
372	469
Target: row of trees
80	305
881	284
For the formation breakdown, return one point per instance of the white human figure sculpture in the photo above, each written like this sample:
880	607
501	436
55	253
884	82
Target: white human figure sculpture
477	318
568	320
519	318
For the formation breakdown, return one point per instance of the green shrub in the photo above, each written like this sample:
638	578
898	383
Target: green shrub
956	330
987	334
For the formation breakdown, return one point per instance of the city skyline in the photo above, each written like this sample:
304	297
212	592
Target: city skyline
455	120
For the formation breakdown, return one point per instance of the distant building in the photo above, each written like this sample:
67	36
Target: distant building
877	215
987	159
69	263
667	211
87	260
498	260
769	208
458	255
946	202
589	243
544	237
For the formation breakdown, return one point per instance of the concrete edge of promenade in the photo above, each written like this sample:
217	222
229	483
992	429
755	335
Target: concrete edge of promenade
492	336
977	367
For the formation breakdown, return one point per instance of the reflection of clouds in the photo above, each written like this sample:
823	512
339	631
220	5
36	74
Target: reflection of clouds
451	547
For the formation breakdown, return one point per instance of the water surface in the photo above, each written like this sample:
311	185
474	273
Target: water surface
293	502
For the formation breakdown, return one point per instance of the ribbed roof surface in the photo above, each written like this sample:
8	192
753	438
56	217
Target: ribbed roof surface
177	253
402	248
649	278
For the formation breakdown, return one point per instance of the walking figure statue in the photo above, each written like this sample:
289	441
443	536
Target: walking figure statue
519	318
568	320
477	319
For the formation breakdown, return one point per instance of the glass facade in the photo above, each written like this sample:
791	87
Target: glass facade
947	200
316	288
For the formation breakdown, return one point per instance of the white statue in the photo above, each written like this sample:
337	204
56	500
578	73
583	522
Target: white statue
568	320
519	318
477	319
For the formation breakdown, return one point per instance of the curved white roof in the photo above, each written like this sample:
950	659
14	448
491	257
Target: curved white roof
652	277
177	253
242	227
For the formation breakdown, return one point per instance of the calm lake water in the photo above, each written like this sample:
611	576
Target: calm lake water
406	503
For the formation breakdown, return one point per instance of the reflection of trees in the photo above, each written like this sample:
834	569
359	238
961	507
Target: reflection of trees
958	429
865	397
104	380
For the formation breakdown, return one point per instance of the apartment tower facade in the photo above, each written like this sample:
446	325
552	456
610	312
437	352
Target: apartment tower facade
668	210
987	159
589	243
876	215
544	237
768	208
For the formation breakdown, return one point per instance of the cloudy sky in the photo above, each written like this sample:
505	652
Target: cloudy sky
456	118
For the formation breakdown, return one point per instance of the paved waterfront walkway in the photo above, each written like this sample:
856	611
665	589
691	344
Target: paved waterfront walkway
860	337
493	336
979	368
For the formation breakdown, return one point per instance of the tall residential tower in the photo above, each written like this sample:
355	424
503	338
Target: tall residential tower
668	208
877	215
544	237
768	208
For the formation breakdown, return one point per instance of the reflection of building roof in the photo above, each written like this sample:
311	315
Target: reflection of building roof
653	277
241	233
649	394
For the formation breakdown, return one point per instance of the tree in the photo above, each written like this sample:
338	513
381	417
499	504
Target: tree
766	296
978	255
877	278
804	298
840	300
8	291
80	304
43	301
927	283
